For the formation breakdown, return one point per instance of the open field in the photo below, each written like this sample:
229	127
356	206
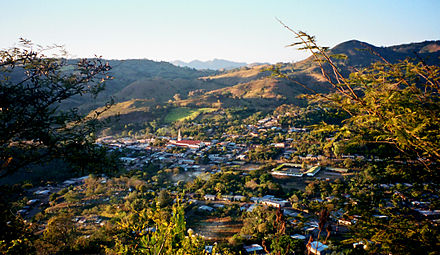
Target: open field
217	229
300	183
183	113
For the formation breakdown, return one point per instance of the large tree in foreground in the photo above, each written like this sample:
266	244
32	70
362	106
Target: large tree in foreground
33	86
394	114
392	104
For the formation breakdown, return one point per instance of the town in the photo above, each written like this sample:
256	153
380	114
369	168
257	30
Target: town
239	181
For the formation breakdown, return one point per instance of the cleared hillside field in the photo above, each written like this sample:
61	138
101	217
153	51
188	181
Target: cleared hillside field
184	113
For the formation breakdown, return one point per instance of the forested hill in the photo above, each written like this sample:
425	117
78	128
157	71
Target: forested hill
142	78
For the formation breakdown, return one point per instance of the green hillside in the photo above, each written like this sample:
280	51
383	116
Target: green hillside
179	114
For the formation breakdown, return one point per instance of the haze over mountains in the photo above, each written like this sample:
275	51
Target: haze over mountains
215	64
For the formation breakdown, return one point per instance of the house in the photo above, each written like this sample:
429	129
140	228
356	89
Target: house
264	120
22	212
255	199
241	156
209	197
127	159
298	236
254	134
42	192
206	208
275	202
336	169
292	172
313	171
279	145
32	201
69	182
239	198
344	222
251	208
291	130
317	248
227	198
290	213
254	249
209	248
428	213
362	244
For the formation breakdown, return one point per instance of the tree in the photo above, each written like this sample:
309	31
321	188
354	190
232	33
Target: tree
33	90
394	105
259	223
16	235
59	235
164	199
393	113
148	232
285	244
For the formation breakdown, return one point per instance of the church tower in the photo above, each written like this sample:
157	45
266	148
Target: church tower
179	136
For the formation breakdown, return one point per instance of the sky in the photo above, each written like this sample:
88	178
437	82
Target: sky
236	30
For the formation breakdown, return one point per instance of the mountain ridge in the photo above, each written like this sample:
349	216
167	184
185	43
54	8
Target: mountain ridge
145	90
215	64
254	83
250	85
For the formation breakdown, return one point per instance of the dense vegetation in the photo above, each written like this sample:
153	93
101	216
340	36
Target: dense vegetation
32	128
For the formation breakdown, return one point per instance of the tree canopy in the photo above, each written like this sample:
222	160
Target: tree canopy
33	89
396	105
394	116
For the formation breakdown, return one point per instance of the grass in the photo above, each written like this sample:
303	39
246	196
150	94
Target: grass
183	113
126	107
241	73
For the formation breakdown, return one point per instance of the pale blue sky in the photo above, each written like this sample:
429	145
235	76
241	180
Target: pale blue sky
236	30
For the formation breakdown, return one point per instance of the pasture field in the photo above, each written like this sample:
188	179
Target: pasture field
184	113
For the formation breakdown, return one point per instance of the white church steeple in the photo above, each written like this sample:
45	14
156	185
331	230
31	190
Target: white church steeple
179	136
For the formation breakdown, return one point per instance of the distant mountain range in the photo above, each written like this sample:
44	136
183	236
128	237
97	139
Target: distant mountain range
215	64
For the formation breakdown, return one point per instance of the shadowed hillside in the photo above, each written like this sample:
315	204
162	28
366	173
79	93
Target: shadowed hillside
162	90
143	76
